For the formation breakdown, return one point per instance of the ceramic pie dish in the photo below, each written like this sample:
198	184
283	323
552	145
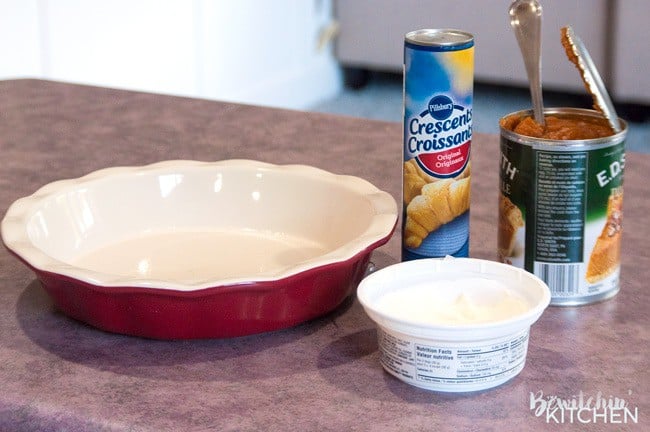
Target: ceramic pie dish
187	249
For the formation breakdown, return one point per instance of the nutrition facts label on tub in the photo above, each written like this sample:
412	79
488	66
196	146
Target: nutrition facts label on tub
470	364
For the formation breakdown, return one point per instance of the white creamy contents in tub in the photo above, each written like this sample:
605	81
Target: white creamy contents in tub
469	300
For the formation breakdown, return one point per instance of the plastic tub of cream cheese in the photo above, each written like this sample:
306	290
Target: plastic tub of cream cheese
453	324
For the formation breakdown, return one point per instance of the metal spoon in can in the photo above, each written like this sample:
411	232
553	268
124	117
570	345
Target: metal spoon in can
526	21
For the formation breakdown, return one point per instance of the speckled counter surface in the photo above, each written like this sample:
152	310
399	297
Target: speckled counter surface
58	374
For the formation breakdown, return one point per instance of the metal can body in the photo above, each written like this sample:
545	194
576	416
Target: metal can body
560	210
438	96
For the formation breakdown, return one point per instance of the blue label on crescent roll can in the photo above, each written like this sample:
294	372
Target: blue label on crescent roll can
438	94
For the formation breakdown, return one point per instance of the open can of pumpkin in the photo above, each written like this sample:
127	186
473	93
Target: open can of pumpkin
561	201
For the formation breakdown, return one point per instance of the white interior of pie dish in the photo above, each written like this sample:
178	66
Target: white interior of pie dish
189	225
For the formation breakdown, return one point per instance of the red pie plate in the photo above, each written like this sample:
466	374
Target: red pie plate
187	249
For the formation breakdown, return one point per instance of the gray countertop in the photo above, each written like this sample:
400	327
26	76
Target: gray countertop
59	374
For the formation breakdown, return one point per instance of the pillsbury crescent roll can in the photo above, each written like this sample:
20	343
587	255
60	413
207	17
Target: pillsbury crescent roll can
438	95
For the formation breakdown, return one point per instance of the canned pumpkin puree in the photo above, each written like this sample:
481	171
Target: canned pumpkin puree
560	201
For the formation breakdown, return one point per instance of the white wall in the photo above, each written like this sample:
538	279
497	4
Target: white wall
20	38
249	51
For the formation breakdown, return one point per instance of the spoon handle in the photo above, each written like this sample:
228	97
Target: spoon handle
526	21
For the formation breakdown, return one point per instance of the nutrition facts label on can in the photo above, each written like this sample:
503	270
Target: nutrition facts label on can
559	214
557	235
470	364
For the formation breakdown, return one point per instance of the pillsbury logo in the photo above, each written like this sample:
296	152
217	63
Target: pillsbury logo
441	107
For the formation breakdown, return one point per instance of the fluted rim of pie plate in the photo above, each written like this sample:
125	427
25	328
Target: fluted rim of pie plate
379	230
